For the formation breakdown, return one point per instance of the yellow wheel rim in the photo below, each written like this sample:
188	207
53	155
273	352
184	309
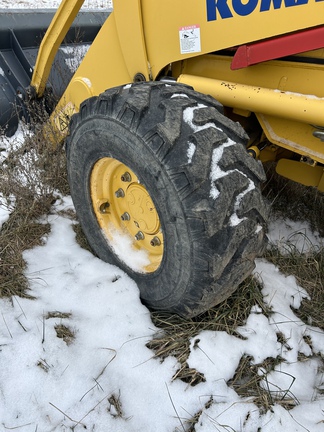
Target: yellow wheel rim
122	205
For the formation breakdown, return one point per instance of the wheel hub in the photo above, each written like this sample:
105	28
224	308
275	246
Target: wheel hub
142	209
122	203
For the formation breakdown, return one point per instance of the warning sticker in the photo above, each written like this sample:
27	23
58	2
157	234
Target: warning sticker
190	39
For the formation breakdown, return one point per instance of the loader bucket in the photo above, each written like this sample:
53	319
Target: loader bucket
21	32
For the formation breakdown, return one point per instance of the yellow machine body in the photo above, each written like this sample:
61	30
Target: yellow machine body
194	41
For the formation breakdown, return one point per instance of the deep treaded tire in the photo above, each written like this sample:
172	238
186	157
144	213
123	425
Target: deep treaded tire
194	165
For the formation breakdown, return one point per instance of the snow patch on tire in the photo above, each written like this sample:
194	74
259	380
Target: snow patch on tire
191	151
216	173
188	115
123	246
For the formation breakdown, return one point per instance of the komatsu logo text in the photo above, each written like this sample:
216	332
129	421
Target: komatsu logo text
221	8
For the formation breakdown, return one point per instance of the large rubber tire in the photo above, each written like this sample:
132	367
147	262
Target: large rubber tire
194	165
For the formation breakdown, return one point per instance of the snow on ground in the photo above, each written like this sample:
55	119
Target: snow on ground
6	207
106	379
48	385
288	235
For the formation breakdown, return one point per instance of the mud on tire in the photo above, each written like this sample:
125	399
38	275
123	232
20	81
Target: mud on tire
205	188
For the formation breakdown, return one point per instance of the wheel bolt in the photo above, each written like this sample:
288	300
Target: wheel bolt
155	241
139	236
104	207
125	216
126	177
120	193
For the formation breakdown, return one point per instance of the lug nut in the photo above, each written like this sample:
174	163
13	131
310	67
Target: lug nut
125	216
120	193
139	236
126	177
155	241
104	207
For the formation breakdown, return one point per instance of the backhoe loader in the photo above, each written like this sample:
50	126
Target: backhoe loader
167	123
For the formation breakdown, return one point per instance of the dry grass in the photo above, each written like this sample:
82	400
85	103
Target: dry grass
309	272
115	406
176	332
294	201
30	175
304	203
81	238
249	382
62	330
19	233
65	333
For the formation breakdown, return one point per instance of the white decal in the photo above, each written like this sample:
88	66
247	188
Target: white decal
190	39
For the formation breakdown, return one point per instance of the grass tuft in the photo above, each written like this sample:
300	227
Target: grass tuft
30	177
250	380
309	272
63	332
115	406
81	238
19	233
292	200
176	332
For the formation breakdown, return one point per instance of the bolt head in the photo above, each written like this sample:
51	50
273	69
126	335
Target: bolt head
126	177
119	193
155	241
139	236
125	216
